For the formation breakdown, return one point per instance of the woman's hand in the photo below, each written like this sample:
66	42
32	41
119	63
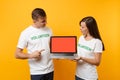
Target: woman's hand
78	58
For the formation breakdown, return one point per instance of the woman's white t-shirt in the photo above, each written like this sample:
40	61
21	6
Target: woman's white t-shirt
87	49
37	39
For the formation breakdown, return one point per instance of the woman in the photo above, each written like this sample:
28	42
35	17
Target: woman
90	47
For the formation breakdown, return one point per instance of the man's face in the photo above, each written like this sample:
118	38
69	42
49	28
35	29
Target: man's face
40	22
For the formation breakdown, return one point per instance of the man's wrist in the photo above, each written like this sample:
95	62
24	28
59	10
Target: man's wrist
29	56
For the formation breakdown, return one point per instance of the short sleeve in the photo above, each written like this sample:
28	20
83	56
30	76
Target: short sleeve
51	33
98	46
22	42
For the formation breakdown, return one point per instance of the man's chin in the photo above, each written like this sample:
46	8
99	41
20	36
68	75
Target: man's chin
43	26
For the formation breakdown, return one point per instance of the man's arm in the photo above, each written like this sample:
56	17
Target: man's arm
20	55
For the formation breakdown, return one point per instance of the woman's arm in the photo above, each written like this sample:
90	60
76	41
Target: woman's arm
94	61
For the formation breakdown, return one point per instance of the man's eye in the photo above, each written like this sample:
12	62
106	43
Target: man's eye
43	21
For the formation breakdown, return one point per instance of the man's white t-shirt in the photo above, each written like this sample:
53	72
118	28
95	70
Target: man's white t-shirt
87	49
37	39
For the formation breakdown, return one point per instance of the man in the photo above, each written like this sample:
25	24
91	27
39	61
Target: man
36	39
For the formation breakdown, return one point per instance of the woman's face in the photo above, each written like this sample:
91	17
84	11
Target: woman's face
84	28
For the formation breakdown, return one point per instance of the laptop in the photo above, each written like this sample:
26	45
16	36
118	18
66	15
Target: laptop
63	47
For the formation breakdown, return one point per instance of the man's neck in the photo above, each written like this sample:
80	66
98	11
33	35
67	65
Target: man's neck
35	26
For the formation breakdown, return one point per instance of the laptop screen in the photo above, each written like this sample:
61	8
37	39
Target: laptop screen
63	44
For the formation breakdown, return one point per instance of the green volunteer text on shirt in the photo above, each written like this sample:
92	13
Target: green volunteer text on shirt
85	47
39	36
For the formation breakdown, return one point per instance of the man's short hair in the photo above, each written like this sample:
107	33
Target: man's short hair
38	12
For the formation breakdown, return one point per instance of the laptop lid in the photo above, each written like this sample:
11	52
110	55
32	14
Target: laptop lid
63	45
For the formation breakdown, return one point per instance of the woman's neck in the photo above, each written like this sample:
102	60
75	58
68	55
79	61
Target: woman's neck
88	37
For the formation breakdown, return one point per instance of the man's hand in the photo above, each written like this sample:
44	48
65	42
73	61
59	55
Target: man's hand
36	54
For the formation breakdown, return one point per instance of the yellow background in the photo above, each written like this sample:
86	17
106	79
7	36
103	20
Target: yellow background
63	18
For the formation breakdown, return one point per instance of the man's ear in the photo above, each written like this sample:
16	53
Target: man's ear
34	21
